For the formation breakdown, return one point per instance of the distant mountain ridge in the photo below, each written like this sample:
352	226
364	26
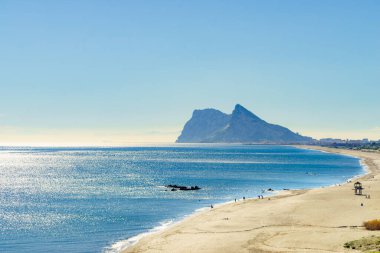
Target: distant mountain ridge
242	126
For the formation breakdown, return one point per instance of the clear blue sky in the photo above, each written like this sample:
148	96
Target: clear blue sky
113	72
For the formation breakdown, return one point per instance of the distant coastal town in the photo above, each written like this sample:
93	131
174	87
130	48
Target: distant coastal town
364	144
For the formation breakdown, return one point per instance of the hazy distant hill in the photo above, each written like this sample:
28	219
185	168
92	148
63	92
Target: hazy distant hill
242	126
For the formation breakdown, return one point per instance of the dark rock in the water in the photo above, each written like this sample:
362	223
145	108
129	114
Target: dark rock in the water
270	190
242	126
182	188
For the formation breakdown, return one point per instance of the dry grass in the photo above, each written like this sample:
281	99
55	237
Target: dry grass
372	225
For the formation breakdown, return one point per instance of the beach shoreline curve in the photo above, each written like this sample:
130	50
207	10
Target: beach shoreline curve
183	234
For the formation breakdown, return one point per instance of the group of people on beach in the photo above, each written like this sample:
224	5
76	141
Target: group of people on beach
259	196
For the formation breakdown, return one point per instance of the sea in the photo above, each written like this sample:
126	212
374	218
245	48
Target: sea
103	199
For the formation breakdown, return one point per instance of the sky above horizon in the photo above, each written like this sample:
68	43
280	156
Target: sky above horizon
121	72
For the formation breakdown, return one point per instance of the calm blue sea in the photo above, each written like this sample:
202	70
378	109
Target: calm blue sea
93	199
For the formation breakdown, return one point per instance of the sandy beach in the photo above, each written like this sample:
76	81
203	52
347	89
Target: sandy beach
316	220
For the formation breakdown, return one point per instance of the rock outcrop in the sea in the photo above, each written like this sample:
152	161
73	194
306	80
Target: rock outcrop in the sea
242	126
175	187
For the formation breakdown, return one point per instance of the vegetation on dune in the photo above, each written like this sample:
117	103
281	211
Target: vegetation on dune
366	244
372	225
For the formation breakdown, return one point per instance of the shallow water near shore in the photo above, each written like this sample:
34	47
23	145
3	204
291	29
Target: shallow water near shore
94	199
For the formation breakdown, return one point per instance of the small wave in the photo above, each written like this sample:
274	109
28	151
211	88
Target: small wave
364	166
123	244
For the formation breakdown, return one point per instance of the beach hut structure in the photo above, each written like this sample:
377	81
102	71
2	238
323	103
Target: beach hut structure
358	188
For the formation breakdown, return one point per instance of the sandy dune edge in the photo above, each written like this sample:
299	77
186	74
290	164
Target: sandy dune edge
317	220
